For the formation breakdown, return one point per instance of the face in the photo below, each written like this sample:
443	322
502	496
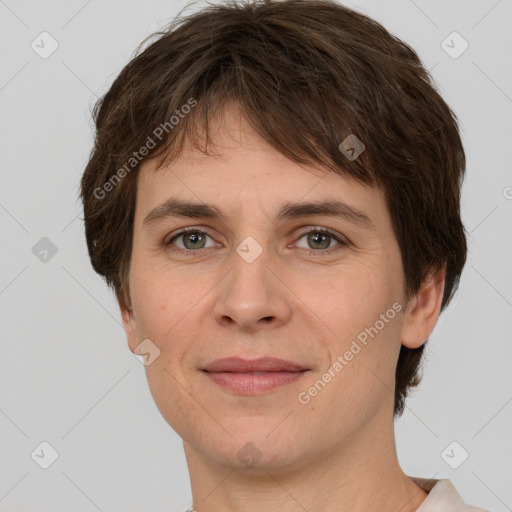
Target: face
322	292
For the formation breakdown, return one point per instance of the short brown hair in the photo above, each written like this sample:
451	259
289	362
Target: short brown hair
306	74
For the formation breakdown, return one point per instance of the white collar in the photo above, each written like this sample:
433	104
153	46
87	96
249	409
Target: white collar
442	497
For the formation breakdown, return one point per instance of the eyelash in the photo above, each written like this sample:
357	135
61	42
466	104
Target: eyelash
342	241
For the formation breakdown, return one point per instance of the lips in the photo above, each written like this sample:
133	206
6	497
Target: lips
263	364
253	377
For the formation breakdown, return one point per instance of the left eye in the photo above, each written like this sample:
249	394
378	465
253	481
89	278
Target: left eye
321	239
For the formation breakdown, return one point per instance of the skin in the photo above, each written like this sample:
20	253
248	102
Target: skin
338	451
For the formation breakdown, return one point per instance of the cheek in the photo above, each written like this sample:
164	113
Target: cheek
170	311
350	299
161	298
165	314
359	309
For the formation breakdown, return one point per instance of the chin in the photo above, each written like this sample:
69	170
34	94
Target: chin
254	444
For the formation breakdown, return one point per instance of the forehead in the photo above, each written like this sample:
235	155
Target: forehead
244	174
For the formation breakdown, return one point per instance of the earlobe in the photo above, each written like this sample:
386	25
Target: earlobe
423	311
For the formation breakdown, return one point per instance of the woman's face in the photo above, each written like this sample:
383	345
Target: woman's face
254	284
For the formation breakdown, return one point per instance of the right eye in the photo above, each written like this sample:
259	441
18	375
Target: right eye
192	240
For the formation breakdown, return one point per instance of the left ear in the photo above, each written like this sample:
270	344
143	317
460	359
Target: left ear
423	310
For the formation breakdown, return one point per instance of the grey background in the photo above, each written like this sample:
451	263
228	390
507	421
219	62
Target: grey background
66	374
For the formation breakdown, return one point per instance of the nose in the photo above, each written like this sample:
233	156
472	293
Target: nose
253	295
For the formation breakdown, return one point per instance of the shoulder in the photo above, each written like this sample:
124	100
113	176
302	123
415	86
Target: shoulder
442	497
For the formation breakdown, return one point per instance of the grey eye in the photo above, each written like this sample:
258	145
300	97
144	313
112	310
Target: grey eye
191	240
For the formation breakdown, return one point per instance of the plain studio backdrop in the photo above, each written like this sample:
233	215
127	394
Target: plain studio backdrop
67	378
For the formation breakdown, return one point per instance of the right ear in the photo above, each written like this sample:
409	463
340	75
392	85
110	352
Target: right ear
129	323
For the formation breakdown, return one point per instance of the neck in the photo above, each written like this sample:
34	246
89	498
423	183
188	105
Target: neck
350	477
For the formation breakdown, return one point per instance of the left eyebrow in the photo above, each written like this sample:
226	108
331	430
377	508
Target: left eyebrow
326	208
174	207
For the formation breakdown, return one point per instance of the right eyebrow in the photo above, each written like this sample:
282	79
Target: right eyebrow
174	207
